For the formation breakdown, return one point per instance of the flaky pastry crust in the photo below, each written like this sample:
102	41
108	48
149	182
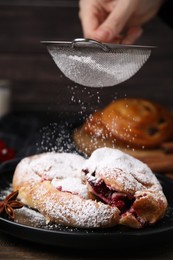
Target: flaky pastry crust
46	183
107	189
125	182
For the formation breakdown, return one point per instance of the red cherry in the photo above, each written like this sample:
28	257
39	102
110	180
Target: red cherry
6	154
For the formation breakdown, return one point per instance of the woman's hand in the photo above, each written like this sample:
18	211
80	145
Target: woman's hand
118	21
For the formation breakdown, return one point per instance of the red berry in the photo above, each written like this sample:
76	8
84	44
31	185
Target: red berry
6	153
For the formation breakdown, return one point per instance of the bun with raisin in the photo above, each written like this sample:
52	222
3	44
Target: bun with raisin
132	125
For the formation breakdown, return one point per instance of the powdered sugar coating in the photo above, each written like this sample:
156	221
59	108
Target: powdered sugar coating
59	192
53	184
24	173
57	165
74	210
121	171
71	184
62	169
123	174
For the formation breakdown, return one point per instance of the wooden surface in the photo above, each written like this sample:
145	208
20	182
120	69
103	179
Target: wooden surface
11	248
36	82
16	249
38	85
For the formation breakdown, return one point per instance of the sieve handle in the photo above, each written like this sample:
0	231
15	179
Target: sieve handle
90	41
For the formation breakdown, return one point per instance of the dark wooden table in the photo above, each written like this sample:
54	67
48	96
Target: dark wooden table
12	248
38	85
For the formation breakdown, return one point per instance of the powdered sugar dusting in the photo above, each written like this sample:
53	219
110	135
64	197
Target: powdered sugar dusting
71	184
57	165
24	173
132	174
59	189
73	210
31	214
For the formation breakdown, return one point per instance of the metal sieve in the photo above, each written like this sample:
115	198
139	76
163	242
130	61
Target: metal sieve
95	64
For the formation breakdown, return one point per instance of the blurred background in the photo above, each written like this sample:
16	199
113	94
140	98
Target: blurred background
37	86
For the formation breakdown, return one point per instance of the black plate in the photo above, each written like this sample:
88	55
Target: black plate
29	228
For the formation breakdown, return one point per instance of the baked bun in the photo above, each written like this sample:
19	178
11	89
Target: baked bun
53	184
124	182
138	122
130	124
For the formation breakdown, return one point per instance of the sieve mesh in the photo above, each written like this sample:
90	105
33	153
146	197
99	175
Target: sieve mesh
93	66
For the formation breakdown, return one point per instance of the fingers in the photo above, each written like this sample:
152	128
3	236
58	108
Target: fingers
115	21
89	17
107	24
132	35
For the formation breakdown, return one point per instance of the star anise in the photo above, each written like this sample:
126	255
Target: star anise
10	203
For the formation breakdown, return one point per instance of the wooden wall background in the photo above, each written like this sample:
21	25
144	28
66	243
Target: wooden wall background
37	84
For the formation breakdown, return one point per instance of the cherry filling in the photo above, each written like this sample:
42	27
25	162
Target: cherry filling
118	199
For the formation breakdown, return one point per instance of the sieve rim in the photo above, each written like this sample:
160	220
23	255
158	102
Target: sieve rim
111	46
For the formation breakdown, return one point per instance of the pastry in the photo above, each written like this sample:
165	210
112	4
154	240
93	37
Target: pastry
132	125
60	186
138	122
122	181
53	184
